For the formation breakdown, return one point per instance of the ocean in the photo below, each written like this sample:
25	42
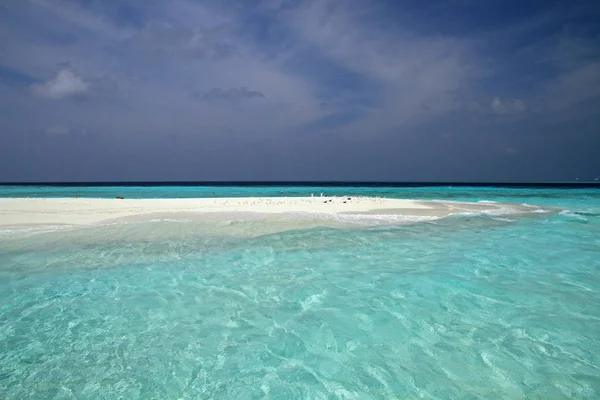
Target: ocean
471	306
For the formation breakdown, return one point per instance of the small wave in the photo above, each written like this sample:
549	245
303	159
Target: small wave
587	213
363	218
386	217
33	229
573	215
466	214
536	208
503	219
500	211
169	220
494	213
487	202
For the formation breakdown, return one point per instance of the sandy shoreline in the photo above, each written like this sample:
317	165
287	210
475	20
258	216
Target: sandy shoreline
83	211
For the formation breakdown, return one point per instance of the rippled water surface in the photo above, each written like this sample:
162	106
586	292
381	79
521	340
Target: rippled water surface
465	307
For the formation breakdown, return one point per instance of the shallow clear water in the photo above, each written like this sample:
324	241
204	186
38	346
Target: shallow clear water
465	307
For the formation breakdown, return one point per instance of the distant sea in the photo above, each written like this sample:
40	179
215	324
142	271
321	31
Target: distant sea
471	306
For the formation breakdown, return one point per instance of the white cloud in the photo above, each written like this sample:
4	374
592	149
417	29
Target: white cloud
231	94
508	106
571	88
511	151
64	84
395	75
72	15
57	131
410	76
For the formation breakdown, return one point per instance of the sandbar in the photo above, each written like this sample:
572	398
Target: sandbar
84	211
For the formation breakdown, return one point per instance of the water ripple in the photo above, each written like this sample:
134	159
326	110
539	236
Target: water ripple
464	308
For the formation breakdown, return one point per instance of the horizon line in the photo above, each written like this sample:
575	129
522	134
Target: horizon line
592	183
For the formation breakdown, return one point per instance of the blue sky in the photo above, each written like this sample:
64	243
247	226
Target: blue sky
299	90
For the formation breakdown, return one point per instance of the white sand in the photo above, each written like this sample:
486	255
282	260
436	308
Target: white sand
81	211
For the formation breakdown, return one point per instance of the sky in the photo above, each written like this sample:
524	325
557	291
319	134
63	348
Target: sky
352	90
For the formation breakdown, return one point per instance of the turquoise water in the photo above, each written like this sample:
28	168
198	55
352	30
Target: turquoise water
465	307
